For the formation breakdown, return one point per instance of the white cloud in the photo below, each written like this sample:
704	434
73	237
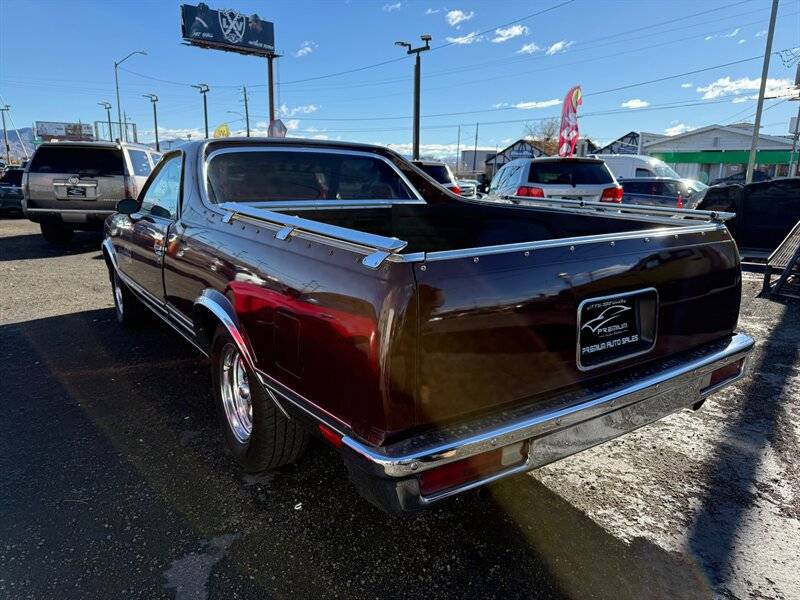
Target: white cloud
306	48
509	33
679	128
528	48
392	7
725	86
558	47
167	133
740	99
292	124
432	11
501	105
635	103
733	33
688	84
454	17
304	109
709	37
470	38
761	33
537	104
742	41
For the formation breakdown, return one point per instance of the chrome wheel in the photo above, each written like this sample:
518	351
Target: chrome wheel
235	393
118	295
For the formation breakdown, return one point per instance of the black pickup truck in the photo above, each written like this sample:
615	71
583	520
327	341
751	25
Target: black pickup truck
438	343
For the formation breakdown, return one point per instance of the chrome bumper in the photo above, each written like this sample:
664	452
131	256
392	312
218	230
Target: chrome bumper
568	424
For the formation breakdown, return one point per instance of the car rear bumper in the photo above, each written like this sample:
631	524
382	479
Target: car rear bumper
390	476
79	218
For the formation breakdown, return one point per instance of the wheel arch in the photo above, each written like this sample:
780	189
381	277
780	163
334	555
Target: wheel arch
211	309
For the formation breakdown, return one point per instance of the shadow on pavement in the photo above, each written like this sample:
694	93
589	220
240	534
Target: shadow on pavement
24	247
730	492
113	473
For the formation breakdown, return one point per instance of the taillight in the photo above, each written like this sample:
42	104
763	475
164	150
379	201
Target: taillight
530	192
469	469
612	194
680	201
456	190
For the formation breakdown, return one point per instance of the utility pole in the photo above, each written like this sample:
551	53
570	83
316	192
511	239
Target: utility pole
417	77
271	88
153	100
3	111
204	89
246	111
475	151
117	63
796	132
458	152
751	163
107	106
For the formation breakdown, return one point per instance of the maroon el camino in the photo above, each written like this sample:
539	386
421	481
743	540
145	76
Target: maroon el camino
439	344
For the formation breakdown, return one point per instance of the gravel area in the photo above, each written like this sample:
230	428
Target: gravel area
114	481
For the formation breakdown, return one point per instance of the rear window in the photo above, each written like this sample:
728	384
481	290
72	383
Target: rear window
79	160
141	166
12	177
569	173
288	176
438	172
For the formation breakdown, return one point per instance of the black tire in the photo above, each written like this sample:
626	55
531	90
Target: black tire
56	234
129	309
273	440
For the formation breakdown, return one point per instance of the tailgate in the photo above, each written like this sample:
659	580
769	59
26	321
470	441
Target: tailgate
503	328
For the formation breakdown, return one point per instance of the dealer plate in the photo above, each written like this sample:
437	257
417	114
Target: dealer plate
616	328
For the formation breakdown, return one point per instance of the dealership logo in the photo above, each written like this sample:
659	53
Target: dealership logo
232	23
608	315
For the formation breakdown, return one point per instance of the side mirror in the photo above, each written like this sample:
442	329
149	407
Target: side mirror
128	206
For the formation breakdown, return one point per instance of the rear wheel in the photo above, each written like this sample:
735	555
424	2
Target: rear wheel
127	306
56	234
258	434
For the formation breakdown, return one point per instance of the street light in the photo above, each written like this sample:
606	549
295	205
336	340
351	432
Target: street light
3	111
153	99
107	106
409	50
204	89
117	63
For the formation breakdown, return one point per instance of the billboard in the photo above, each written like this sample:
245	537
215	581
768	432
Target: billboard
52	130
227	29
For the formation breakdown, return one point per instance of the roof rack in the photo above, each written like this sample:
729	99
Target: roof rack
376	247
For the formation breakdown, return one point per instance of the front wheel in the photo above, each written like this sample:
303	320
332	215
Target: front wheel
258	434
127	307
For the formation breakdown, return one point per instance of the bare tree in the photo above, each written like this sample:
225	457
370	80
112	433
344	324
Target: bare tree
545	134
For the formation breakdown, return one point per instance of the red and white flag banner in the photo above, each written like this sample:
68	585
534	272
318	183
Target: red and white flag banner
568	134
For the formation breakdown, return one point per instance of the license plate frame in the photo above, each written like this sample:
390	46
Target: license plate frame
616	328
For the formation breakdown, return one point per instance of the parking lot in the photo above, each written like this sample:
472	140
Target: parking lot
114	480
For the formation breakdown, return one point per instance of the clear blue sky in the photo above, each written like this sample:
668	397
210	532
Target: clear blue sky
56	63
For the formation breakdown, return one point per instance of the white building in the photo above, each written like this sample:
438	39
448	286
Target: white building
718	151
473	161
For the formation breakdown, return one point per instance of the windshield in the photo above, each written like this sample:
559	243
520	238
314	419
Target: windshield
287	176
439	172
663	170
81	160
569	172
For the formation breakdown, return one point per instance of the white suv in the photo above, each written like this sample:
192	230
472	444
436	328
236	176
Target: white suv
587	179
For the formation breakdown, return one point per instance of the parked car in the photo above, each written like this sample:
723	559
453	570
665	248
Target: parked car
437	343
554	177
11	191
740	177
76	185
629	166
657	191
468	187
765	211
440	172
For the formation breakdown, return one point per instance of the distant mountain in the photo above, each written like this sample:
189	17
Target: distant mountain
14	136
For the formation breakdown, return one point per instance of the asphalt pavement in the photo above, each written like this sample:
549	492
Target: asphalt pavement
115	483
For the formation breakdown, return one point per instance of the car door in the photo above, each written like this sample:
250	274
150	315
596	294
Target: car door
770	210
144	241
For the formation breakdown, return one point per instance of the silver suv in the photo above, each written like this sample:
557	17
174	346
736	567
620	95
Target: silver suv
587	179
76	185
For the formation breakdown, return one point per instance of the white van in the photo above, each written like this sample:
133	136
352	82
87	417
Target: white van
628	166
